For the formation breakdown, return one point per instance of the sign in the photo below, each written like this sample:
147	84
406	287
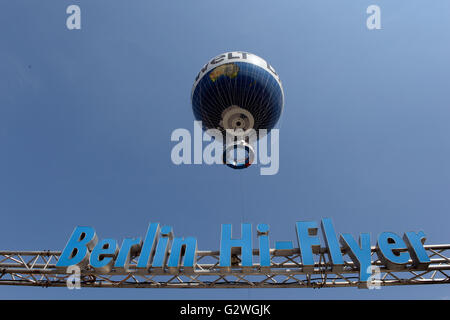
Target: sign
161	251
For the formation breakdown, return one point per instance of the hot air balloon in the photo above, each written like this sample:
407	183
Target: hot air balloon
238	93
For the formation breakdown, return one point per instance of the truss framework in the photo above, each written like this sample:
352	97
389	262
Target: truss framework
37	268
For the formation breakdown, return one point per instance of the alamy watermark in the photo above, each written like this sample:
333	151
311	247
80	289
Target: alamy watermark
374	281
233	147
73	281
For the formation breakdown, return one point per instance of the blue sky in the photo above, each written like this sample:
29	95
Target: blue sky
86	118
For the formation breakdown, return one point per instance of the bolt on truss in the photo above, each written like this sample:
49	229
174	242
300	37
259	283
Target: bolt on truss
37	268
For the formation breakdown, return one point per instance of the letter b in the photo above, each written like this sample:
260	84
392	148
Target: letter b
78	248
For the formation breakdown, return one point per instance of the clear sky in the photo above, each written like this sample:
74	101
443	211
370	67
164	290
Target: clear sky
86	117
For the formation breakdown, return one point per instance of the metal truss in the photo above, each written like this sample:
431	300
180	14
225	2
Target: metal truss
37	268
